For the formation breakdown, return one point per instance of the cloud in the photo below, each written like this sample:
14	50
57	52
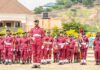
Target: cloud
31	4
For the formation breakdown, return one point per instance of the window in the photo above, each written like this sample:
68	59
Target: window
1	24
8	24
17	24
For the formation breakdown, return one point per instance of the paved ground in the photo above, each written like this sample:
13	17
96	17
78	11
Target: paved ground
53	66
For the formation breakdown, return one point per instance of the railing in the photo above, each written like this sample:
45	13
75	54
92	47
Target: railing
14	29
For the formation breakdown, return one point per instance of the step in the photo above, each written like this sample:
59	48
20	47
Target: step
90	52
90	59
90	55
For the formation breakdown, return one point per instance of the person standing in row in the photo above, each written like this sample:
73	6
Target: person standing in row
55	50
67	43
49	48
15	48
44	49
8	41
1	48
36	35
96	45
84	47
71	49
23	48
61	43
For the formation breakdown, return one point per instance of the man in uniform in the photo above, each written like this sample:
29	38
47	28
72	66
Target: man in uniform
49	47
36	35
18	50
1	48
66	48
71	49
61	43
15	47
96	45
44	50
84	47
23	48
55	50
8	41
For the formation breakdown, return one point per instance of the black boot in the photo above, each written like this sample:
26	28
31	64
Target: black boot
6	63
71	61
97	63
27	61
54	61
38	66
0	61
34	66
30	61
23	62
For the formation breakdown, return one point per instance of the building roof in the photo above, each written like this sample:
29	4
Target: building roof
49	4
13	7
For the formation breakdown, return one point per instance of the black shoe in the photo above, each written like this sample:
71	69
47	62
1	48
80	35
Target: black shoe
30	61
38	66
27	61
6	63
10	63
84	64
71	61
48	62
61	63
97	63
34	66
23	62
42	62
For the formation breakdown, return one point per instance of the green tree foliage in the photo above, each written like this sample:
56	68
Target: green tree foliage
68	3
88	3
38	10
55	31
72	25
47	10
76	26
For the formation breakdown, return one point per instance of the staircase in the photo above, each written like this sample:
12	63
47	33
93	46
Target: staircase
90	55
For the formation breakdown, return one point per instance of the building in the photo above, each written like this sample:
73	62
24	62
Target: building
14	15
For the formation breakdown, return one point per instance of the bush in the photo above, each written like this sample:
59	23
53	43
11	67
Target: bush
68	3
88	3
55	31
38	10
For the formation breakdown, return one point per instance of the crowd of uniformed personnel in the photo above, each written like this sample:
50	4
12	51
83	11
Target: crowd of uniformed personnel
40	45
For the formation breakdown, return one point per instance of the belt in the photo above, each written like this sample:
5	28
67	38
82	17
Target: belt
49	42
45	42
36	35
83	43
7	43
67	43
61	43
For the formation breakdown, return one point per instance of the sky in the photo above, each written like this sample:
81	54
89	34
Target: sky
31	4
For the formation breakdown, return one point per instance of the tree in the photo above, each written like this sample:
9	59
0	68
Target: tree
47	10
88	3
38	10
68	3
73	26
55	31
